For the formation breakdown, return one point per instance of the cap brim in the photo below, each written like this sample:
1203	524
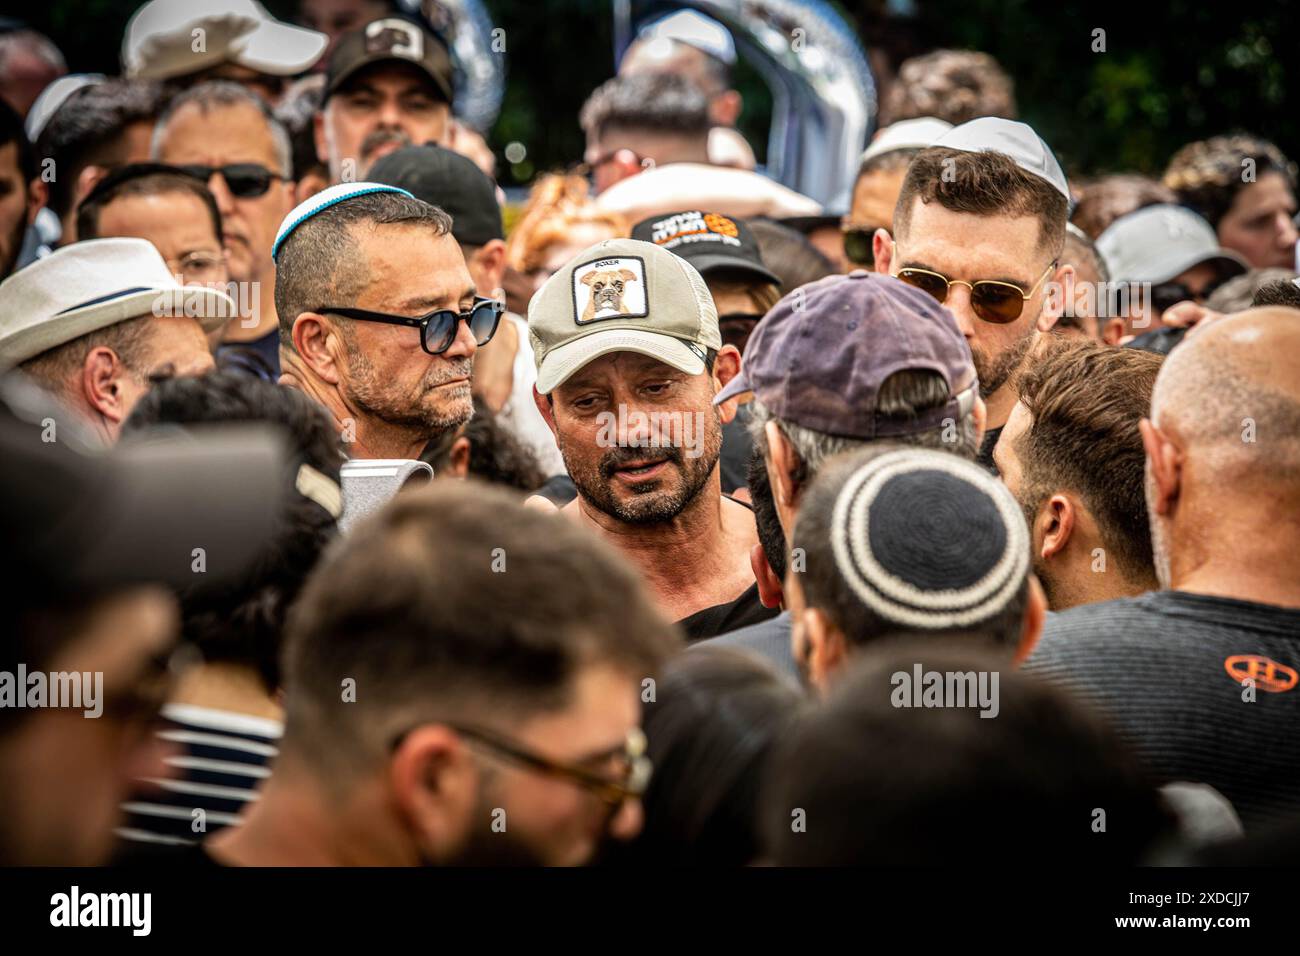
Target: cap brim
737	386
711	262
281	49
340	79
1169	267
564	360
184	512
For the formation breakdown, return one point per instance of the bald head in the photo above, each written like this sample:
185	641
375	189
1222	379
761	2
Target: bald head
1230	396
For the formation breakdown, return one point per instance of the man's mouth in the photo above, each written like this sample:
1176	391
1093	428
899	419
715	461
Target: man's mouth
641	469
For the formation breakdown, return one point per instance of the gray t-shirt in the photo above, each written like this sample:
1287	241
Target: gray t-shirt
1168	669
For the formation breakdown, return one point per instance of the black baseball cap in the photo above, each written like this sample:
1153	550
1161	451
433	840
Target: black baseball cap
709	241
450	181
385	40
92	520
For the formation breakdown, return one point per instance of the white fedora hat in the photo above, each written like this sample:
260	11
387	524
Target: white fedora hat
91	285
163	39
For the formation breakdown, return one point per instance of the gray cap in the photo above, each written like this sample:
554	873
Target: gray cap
1159	242
819	357
1017	140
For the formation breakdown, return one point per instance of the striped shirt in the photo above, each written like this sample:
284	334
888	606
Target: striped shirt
223	758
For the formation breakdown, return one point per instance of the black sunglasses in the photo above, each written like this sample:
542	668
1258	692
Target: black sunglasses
438	328
245	180
858	247
1168	294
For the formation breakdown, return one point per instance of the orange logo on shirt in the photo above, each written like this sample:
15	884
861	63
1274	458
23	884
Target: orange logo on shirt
1267	674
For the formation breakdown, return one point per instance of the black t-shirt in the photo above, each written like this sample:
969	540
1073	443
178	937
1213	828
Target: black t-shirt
1168	669
259	358
721	618
985	457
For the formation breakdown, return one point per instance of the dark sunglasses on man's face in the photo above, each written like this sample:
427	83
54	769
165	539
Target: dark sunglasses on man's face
438	328
990	299
244	180
859	248
1168	294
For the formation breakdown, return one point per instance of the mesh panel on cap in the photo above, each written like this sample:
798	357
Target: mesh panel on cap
704	303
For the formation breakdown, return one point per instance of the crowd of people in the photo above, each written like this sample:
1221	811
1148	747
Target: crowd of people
686	520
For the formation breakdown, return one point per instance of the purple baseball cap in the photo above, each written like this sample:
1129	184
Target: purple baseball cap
819	357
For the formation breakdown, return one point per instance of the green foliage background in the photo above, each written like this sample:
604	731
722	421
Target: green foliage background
1172	70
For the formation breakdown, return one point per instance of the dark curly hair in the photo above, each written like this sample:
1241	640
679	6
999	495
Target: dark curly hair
243	621
1207	175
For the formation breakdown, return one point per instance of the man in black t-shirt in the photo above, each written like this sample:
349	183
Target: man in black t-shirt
1202	677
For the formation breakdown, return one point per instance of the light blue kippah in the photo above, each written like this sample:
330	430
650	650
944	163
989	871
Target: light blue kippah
323	200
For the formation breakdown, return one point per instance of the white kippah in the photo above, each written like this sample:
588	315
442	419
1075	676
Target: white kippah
322	201
1013	139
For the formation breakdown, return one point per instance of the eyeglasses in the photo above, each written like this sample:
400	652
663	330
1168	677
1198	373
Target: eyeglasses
245	180
990	299
438	328
614	793
858	247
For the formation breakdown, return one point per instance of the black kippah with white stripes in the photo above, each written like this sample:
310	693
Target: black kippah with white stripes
929	540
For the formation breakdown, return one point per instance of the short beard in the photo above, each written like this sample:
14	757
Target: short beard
594	483
993	375
487	847
364	389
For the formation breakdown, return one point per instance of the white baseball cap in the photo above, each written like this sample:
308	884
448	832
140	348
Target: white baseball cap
905	134
694	29
1157	243
91	285
1017	140
161	41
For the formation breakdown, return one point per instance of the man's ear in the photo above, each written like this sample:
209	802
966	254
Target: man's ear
311	339
1164	463
104	385
1112	330
770	590
1054	303
827	649
1053	526
433	782
458	458
546	410
490	261
882	245
38	194
726	366
1035	616
725	107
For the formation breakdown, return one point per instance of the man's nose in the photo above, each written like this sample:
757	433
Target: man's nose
463	345
627	820
221	193
958	303
1287	231
390	114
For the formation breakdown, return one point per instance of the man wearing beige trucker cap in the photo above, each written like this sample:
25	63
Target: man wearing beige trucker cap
629	358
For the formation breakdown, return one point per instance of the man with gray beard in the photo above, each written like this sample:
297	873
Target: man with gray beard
1202	676
379	318
629	358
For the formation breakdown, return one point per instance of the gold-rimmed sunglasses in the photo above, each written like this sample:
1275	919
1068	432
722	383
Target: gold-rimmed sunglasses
990	299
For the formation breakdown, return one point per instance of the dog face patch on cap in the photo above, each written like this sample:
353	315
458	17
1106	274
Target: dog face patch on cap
396	37
609	289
